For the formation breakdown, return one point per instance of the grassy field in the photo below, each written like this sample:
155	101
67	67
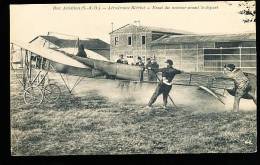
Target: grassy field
92	123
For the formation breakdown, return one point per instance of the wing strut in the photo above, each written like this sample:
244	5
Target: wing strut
79	79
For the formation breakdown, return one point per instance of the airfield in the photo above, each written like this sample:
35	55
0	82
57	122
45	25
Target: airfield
99	118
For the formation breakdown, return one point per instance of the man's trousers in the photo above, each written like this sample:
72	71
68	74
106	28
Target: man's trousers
161	89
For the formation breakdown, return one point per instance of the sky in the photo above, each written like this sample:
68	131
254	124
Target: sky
94	20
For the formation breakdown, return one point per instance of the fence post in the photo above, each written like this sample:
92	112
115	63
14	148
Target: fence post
240	58
203	59
145	51
221	62
197	57
22	58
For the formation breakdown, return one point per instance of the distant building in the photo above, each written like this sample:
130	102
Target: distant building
208	52
94	48
190	52
133	41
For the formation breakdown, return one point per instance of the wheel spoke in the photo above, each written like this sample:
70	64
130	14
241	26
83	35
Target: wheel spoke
33	95
52	92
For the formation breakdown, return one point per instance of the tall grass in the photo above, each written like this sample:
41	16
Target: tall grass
90	122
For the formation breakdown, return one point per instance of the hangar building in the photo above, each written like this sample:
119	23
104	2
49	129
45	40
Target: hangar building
190	52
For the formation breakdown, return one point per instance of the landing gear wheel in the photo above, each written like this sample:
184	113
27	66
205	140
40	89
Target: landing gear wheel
33	95
52	92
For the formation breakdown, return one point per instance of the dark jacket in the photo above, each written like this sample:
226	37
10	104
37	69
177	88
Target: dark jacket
120	61
169	73
150	65
139	64
152	70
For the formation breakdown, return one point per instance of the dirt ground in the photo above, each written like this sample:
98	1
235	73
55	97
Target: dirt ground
98	118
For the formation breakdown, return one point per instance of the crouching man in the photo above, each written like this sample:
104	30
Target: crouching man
165	85
242	84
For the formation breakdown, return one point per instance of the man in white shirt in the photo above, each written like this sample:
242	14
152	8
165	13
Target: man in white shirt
165	86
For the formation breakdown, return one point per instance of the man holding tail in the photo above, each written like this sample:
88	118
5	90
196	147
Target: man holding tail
242	84
165	85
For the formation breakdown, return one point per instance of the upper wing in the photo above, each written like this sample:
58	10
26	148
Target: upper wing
50	54
90	53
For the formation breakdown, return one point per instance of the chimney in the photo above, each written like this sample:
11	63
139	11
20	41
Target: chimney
136	23
112	26
139	22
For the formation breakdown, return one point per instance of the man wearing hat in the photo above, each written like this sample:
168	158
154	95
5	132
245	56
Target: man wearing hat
141	64
242	86
165	85
121	59
152	68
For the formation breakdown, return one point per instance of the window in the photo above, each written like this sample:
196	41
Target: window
227	44
116	40
129	40
248	44
143	40
248	50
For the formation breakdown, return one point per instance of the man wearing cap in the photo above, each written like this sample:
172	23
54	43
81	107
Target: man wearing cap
165	84
141	64
242	86
121	59
152	68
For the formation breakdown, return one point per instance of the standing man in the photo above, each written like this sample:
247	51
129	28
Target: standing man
121	59
165	85
123	83
141	64
152	68
148	62
242	85
125	61
81	51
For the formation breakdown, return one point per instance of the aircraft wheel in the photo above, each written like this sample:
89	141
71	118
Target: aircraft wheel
52	92
33	95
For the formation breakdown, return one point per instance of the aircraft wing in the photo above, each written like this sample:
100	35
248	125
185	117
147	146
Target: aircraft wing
50	54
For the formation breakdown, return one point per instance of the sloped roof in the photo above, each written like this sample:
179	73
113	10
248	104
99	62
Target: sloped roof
121	28
166	30
154	29
89	43
173	39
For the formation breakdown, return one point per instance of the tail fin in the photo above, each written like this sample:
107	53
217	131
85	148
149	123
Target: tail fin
212	93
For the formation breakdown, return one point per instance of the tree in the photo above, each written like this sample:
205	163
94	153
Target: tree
248	10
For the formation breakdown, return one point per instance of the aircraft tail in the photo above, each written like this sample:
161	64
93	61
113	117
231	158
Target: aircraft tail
212	93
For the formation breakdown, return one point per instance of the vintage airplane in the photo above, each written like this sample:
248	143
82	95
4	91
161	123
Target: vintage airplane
50	60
